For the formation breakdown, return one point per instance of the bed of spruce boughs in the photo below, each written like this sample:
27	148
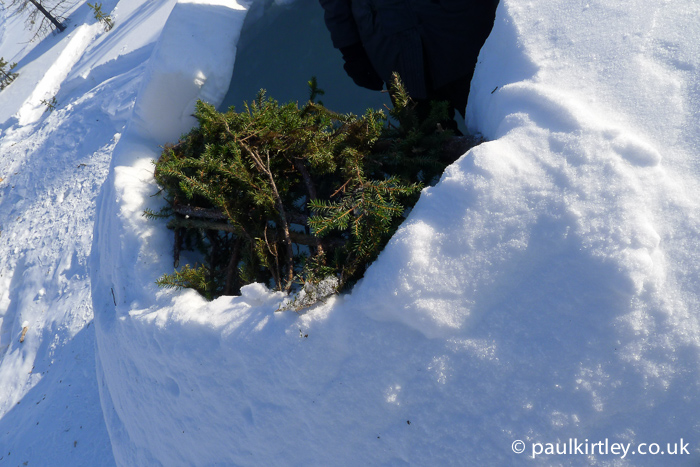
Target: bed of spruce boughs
297	197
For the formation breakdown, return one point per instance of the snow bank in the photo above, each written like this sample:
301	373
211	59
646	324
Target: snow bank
193	59
545	290
178	74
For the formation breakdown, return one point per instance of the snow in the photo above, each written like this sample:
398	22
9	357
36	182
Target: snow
545	290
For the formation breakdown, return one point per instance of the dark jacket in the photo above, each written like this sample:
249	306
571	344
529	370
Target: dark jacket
430	43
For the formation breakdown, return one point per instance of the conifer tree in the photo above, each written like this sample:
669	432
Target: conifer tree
100	16
6	74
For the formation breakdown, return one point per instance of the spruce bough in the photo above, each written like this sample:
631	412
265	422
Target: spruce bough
299	198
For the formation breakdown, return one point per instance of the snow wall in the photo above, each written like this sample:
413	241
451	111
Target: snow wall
545	289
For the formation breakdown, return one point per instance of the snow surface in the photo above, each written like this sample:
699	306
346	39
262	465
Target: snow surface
546	289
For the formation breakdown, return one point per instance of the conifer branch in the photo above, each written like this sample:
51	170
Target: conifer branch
194	211
244	178
184	223
265	168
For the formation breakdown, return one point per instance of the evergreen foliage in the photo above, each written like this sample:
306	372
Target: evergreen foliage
300	198
50	104
6	74
100	16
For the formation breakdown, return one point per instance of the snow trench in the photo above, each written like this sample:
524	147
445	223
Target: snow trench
545	289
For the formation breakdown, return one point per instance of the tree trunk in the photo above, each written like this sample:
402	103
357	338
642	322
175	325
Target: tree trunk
48	15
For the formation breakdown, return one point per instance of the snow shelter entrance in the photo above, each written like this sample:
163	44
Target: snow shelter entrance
281	47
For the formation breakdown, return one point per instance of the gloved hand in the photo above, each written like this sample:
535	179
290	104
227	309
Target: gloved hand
359	68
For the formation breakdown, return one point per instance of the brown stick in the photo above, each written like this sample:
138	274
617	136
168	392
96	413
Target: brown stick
177	247
276	270
296	237
194	211
232	268
311	189
265	168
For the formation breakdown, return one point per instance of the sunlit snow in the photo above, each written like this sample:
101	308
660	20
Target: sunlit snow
544	292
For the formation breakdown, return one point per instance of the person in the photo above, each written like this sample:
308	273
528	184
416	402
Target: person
432	44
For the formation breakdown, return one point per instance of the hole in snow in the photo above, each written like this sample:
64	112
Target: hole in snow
281	47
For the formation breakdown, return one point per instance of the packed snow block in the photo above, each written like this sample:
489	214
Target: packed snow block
506	212
503	51
188	63
193	60
129	251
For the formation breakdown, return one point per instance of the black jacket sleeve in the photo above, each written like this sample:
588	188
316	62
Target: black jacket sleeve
359	68
340	22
